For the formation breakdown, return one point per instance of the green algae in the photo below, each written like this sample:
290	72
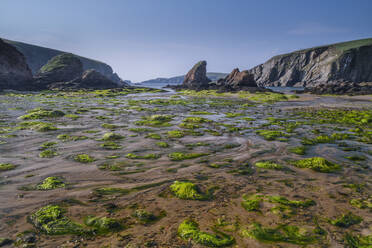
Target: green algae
112	136
110	126
179	156
67	137
111	191
37	126
252	202
84	158
281	233
358	241
362	203
300	150
153	136
51	220
189	230
7	166
318	164
47	145
196	119
110	145
147	156
48	154
146	217
268	165
41	114
292	203
271	134
176	134
103	225
162	144
155	121
187	191
346	220
50	183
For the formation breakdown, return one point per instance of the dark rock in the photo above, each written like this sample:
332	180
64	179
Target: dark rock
340	88
197	78
14	72
238	80
91	79
61	68
342	62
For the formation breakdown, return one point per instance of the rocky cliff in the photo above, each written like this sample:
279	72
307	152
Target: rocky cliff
37	57
342	62
14	71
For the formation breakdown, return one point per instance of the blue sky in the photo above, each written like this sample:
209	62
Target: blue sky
144	39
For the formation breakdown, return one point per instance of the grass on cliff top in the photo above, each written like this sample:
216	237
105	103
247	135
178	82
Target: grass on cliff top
341	47
58	62
189	230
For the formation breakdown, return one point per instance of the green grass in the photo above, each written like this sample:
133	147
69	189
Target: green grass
179	156
187	191
189	230
318	164
50	183
58	62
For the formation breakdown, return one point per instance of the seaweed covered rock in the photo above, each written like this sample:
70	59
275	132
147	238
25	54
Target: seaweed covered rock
61	68
90	79
14	71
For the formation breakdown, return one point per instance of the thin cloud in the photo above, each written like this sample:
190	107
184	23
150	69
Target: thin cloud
316	28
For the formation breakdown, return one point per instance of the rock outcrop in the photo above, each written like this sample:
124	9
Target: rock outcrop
197	78
341	62
238	80
37	57
14	71
340	88
90	79
61	68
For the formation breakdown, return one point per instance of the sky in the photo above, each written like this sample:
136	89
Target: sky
145	39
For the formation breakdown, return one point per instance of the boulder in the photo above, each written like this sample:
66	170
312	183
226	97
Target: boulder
197	78
61	68
239	79
14	71
90	79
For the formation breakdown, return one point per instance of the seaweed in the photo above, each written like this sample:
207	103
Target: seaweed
189	229
50	183
179	156
318	164
187	191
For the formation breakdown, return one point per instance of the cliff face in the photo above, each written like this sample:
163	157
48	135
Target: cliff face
341	62
37	57
14	72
